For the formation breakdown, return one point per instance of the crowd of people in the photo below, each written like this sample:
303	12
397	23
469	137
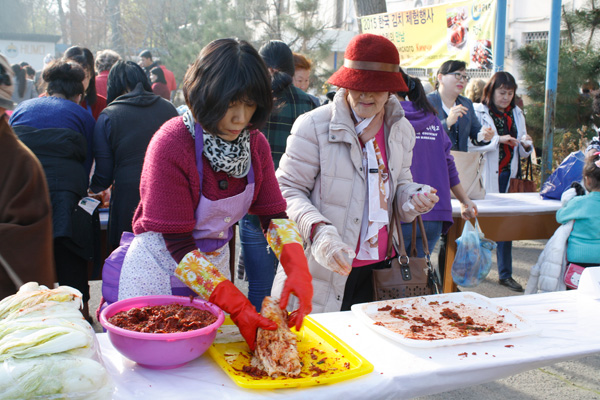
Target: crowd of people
313	186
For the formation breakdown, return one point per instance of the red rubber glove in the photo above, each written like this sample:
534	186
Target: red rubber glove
242	312
298	282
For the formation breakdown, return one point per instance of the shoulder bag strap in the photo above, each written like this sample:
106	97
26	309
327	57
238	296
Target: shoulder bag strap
519	173
476	181
395	224
413	242
529	169
434	279
423	235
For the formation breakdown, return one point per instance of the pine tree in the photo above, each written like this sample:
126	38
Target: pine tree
579	67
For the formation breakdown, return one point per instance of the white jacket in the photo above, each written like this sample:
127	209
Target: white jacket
548	273
322	179
492	152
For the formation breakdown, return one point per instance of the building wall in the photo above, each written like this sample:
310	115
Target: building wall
33	52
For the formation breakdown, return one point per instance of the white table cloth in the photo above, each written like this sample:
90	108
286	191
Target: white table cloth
510	204
570	328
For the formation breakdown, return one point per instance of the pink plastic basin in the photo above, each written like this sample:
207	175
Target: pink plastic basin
161	350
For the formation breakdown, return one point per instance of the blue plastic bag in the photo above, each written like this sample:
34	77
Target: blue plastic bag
473	259
569	171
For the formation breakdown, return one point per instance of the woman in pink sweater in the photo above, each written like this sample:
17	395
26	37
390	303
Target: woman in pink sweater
202	173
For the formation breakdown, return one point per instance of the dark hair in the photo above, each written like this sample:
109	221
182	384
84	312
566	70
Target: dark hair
123	77
105	59
24	63
592	171
20	78
225	71
449	67
146	54
416	94
498	80
85	58
279	57
160	75
64	78
29	70
5	76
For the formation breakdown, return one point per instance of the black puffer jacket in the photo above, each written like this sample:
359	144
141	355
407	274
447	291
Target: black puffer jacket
133	118
62	153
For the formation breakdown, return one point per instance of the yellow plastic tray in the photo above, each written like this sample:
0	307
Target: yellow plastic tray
339	360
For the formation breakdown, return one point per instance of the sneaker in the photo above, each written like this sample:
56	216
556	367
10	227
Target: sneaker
511	284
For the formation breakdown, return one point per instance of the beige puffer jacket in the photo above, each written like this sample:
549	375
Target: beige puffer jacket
322	179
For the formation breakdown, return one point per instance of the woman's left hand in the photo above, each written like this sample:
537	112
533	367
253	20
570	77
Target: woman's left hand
509	140
468	210
424	202
298	282
526	141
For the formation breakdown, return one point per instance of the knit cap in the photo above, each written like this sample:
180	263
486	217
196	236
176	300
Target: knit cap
6	86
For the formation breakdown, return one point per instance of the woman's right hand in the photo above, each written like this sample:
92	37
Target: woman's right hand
509	140
330	251
455	113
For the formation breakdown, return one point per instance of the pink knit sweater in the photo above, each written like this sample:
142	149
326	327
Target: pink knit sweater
170	184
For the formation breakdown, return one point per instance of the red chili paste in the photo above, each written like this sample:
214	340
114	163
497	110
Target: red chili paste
171	318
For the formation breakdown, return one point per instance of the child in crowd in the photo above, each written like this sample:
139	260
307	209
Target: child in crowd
583	246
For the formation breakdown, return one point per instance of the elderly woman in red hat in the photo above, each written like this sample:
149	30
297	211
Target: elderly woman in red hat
344	165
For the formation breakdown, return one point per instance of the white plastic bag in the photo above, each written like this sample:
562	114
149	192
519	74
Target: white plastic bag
473	259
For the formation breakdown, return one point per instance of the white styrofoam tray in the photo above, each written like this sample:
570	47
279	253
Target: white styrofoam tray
365	312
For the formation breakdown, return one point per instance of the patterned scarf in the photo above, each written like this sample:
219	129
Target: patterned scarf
233	157
505	126
376	208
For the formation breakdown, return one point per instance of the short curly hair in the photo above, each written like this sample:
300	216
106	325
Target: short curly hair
301	62
105	59
474	90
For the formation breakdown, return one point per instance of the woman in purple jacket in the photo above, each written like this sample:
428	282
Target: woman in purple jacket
432	164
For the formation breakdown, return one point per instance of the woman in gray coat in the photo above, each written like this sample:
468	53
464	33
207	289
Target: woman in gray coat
344	164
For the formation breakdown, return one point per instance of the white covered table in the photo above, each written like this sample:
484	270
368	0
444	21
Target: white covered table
570	332
504	217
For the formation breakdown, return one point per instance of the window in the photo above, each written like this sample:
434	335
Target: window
531	37
542	37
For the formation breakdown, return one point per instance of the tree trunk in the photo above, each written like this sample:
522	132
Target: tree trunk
114	15
63	22
368	7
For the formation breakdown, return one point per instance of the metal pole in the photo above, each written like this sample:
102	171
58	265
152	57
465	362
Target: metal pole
500	35
551	84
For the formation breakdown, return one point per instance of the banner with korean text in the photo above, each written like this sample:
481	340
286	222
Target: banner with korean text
428	36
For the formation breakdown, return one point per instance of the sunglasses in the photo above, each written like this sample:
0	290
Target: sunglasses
459	76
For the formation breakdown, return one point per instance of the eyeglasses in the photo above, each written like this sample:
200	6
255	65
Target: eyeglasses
459	76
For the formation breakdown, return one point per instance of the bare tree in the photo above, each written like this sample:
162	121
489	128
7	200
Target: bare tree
62	19
114	16
368	7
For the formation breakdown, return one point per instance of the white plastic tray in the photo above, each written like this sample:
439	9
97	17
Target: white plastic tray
366	311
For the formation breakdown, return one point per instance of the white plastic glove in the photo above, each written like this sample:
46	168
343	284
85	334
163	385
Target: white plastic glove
330	251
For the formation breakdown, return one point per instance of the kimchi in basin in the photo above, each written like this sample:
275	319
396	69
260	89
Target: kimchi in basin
161	350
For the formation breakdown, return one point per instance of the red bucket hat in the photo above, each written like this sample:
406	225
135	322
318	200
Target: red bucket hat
371	64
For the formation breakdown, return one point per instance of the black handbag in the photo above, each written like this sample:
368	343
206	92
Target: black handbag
406	276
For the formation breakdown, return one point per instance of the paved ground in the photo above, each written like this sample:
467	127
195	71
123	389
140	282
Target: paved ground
577	380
